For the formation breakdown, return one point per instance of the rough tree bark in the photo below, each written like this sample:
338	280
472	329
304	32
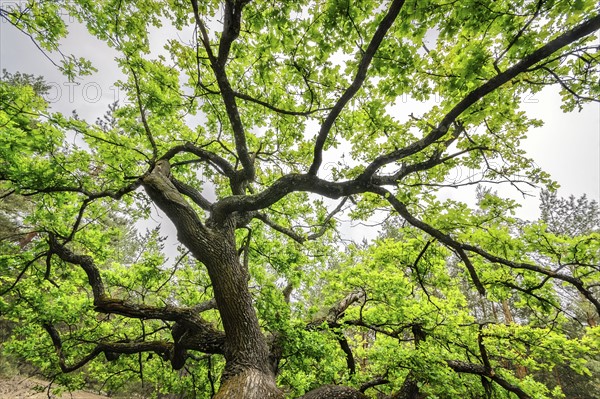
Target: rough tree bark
247	372
334	392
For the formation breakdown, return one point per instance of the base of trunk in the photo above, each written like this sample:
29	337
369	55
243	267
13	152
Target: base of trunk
334	392
250	384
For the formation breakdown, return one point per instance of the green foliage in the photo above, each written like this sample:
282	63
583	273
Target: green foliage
463	301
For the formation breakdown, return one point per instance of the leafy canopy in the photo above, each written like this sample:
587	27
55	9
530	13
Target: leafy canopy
268	125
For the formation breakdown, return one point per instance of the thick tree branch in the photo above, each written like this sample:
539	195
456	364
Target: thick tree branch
220	164
190	230
471	368
373	383
483	351
192	193
282	187
407	169
578	32
202	335
114	194
162	348
106	304
85	262
471	269
345	346
358	81
310	183
452	243
231	29
57	342
214	245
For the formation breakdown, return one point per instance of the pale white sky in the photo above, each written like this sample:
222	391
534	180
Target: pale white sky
567	146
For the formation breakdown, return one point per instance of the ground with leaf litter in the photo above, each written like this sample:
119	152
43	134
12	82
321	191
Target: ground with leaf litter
21	387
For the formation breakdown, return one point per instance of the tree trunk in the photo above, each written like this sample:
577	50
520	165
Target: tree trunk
245	345
247	373
508	317
520	371
334	392
251	384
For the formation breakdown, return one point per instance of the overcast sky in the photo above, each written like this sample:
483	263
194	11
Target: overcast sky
568	146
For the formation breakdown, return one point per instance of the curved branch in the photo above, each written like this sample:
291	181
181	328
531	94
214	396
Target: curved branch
471	368
114	194
189	332
305	182
578	32
231	29
345	346
191	230
373	383
451	243
162	348
57	342
434	160
358	81
220	164
87	264
576	282
191	193
283	186
104	304
22	272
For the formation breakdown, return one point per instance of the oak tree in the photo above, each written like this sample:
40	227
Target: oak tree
252	133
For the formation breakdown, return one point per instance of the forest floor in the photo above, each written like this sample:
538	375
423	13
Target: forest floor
22	387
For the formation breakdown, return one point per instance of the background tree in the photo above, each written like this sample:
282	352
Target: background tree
239	135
